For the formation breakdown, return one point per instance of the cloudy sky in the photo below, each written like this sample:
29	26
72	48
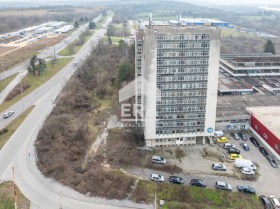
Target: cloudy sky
241	2
221	2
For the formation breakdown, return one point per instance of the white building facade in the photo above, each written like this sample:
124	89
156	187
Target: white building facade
178	91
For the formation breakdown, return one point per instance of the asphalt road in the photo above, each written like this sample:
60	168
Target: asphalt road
19	153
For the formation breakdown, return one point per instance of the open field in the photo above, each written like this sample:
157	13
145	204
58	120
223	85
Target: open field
226	32
4	49
12	127
26	52
6	81
187	197
36	81
256	18
7	198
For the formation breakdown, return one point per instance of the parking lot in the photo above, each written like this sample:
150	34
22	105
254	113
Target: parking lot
197	164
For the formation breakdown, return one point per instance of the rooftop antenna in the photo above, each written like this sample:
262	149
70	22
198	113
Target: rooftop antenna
150	20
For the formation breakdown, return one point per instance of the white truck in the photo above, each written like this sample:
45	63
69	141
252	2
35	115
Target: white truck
218	133
243	163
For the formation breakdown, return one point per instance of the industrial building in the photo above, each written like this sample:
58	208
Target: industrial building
265	123
256	64
231	110
180	66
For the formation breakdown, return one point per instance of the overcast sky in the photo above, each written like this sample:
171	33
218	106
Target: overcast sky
241	2
221	2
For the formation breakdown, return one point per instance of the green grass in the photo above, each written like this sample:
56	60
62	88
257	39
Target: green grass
178	196
66	52
12	127
226	32
6	81
36	81
7	200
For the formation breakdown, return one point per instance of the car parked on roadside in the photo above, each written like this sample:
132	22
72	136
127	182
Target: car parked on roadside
246	189
245	146
263	151
157	177
233	151
8	114
229	145
223	185
222	139
235	156
247	171
265	201
275	202
219	166
176	180
271	161
254	141
158	159
198	183
242	136
235	135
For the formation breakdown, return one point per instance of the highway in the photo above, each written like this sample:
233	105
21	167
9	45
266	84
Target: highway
19	151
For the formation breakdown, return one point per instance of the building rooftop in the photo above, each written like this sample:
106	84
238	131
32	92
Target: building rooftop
235	106
268	116
250	60
229	83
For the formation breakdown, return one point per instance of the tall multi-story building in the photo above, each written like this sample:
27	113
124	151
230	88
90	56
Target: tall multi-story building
177	92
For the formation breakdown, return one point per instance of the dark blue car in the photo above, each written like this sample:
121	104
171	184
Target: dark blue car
245	146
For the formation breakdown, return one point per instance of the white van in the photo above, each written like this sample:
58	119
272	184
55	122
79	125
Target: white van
243	163
218	133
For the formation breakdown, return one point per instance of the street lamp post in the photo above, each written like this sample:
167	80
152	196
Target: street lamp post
21	94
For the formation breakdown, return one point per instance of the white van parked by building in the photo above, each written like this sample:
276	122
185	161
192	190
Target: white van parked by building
243	163
218	133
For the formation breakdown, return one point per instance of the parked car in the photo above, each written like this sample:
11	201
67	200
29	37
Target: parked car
235	136
271	161
8	114
263	151
244	163
235	156
229	145
254	141
222	139
275	202
233	151
198	183
246	189
158	159
245	146
219	166
242	136
176	180
265	201
247	171
223	185
157	177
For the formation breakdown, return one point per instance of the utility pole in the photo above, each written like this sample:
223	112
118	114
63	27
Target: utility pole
14	186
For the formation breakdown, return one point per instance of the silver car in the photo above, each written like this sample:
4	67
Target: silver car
219	166
8	114
235	136
223	185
